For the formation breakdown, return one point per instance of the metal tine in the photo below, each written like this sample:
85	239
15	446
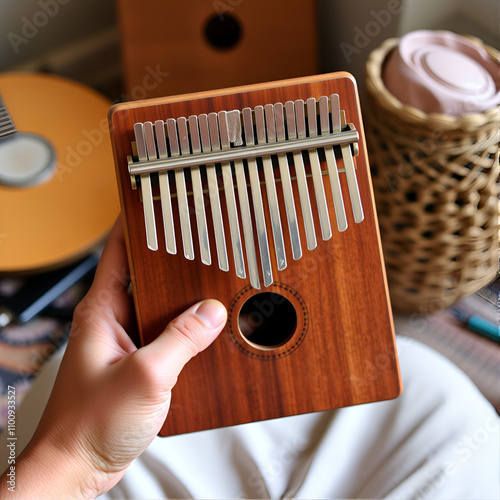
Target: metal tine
147	192
319	189
246	220
352	182
213	191
260	221
286	182
331	162
180	181
298	129
166	201
262	125
199	202
219	130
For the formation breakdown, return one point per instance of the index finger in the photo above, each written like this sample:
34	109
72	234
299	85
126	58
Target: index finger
112	278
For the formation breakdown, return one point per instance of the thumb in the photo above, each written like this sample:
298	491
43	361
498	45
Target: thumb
184	337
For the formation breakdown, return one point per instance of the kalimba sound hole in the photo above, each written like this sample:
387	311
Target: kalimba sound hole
267	320
223	31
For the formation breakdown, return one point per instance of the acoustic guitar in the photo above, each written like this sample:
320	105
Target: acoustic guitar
58	196
260	197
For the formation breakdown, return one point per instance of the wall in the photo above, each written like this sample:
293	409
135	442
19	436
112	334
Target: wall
350	30
29	28
480	18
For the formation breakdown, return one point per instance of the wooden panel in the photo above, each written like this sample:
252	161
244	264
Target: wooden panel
278	40
342	352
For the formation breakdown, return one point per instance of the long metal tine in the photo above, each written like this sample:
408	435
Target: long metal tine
246	220
286	182
352	182
331	162
319	189
182	134
147	192
260	221
213	191
297	128
272	197
166	201
199	202
219	137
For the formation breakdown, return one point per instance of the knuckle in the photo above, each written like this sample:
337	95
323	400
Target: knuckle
140	366
147	378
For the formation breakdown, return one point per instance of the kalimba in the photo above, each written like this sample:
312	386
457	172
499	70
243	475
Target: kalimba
260	197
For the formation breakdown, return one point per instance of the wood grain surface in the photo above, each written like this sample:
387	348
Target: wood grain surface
165	50
342	351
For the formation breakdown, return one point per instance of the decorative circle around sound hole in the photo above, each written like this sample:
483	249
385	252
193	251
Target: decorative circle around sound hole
267	325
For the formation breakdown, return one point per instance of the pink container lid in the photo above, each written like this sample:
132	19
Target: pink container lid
441	72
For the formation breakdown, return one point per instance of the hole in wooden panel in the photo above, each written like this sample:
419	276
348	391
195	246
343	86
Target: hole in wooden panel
267	320
223	32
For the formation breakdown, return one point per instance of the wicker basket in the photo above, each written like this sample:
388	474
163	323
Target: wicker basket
436	187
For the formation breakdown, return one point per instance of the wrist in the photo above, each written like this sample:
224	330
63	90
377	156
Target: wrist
47	470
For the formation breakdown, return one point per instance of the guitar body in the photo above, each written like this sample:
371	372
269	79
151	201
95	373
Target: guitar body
337	346
67	213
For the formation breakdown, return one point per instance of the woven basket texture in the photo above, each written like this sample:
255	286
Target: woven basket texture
435	179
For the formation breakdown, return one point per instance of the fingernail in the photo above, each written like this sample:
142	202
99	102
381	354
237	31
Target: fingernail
211	312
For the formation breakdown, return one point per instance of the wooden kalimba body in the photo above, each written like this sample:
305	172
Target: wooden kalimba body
260	197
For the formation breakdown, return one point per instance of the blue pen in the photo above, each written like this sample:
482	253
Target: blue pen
479	325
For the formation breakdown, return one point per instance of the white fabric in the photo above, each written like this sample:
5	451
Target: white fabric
439	440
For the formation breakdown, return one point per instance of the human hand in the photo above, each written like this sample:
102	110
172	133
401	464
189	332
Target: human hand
110	399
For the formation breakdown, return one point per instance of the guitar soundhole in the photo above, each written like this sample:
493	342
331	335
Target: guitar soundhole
267	320
26	159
